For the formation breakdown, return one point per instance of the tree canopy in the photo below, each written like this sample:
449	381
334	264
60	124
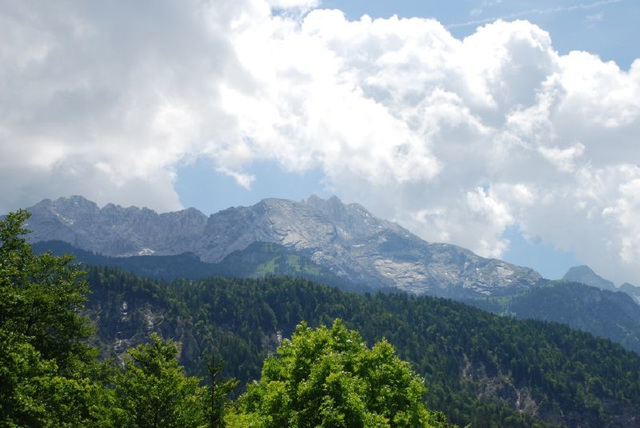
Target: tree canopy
330	378
46	372
153	391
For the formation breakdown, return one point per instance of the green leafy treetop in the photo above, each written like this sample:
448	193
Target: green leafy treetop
330	378
47	372
153	391
41	297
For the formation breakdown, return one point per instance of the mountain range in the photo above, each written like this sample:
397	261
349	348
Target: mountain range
344	239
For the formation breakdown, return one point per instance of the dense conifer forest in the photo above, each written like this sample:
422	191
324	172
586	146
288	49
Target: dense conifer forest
479	368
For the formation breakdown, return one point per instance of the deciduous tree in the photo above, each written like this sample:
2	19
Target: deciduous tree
46	368
153	390
330	378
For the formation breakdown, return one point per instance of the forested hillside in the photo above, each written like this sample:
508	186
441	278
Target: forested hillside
480	368
613	315
604	313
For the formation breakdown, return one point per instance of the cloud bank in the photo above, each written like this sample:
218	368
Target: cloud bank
455	139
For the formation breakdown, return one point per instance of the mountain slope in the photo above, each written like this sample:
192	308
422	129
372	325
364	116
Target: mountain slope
479	368
631	290
345	239
585	275
603	313
257	260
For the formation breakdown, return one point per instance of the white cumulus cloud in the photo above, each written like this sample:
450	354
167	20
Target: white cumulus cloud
456	139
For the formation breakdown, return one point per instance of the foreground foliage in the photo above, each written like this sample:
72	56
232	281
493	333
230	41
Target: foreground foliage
48	375
51	377
328	377
153	391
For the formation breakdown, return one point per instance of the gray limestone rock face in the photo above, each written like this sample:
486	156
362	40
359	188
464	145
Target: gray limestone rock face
114	230
345	238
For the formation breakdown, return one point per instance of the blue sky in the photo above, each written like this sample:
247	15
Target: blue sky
506	127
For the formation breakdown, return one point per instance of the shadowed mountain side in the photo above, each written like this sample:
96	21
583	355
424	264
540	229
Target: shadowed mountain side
585	275
257	260
608	314
631	290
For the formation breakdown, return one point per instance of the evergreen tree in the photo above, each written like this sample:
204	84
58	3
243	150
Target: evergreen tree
219	390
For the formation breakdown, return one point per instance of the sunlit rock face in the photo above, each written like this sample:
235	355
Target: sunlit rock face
345	238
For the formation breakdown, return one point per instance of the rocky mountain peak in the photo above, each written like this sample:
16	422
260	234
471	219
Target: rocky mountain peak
68	206
585	275
330	205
